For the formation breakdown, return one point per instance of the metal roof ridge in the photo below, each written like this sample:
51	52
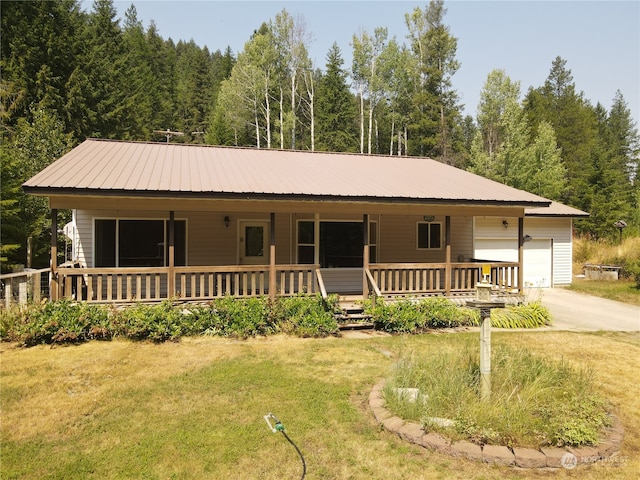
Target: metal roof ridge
255	149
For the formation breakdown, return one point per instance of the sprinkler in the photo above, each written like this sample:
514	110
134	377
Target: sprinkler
276	426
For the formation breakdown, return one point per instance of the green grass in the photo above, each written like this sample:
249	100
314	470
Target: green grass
194	409
534	402
624	291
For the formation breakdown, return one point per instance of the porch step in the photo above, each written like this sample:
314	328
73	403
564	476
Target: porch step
356	326
352	317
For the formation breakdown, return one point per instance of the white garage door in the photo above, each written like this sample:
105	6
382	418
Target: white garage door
537	257
537	263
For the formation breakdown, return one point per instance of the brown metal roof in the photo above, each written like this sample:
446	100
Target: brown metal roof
555	210
104	167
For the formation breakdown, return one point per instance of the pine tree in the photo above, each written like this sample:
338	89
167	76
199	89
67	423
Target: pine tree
435	111
574	122
39	48
336	108
139	102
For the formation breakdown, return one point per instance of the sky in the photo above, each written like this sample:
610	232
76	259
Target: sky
600	40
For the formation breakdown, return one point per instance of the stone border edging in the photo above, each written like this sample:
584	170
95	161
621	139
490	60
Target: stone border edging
546	457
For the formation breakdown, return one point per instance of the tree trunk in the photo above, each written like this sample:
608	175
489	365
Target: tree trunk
281	119
393	129
267	114
293	110
370	128
361	121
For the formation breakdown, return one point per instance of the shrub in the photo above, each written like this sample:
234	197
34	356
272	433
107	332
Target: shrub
633	270
307	316
157	323
64	321
240	318
412	315
530	315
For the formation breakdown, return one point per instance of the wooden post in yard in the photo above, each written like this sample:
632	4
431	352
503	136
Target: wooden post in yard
272	256
485	353
485	303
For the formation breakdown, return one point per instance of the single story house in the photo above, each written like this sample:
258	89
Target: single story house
159	220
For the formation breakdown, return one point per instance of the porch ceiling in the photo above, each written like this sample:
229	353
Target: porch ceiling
160	172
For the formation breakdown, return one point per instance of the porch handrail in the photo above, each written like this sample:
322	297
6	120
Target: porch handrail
321	286
372	283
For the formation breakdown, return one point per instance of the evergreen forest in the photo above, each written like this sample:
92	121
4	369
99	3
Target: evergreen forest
69	74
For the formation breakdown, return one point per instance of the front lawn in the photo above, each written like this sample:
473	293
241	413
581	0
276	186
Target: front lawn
625	291
194	409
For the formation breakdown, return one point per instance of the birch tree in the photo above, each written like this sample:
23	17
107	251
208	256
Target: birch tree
291	39
367	50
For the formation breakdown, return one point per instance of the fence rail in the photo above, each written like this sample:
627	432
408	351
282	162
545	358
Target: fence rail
25	286
195	283
192	283
407	279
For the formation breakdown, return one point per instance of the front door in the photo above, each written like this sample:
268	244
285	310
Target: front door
254	243
341	244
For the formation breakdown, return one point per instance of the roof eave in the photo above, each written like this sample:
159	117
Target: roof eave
51	191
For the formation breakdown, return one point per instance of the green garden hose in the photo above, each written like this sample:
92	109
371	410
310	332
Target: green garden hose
277	426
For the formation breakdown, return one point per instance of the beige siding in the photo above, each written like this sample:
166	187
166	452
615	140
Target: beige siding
557	230
209	242
399	240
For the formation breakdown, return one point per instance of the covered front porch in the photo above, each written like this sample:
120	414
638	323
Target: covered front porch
347	257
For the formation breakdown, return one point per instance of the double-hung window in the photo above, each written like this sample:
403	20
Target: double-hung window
429	235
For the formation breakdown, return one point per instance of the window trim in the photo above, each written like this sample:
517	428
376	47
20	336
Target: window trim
117	236
429	248
373	242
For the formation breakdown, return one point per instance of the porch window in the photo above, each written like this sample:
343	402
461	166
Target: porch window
306	244
429	235
137	243
373	242
340	243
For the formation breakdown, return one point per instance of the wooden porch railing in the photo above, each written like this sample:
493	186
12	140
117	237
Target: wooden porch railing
194	283
405	279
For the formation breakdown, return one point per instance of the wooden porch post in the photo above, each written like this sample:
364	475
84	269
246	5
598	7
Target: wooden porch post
520	255
365	255
272	256
171	284
54	285
447	255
